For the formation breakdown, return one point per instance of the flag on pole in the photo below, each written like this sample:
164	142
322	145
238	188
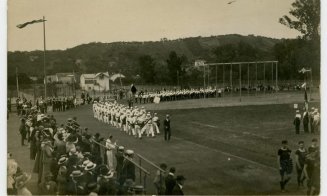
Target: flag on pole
303	70
304	85
30	22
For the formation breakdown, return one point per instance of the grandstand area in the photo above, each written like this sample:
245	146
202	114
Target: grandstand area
222	146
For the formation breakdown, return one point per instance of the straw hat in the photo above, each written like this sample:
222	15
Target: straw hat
129	152
62	160
76	173
121	148
90	166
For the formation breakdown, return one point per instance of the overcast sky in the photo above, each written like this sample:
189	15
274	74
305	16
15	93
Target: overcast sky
74	22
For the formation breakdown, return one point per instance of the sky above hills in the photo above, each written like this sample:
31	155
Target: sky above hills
74	22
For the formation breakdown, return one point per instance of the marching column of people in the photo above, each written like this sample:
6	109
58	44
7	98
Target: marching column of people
134	121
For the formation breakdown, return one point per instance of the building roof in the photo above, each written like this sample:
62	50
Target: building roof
105	74
88	76
65	74
93	76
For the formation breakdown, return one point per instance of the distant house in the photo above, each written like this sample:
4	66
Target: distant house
97	82
199	63
65	78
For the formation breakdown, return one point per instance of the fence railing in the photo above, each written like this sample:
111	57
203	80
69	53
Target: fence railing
142	170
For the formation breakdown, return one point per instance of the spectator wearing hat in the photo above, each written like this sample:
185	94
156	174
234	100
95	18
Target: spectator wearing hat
70	142
76	184
21	182
128	169
33	142
297	122
62	174
93	189
119	160
170	181
178	188
89	172
159	180
106	181
167	128
38	159
23	131
49	187
47	151
59	144
110	147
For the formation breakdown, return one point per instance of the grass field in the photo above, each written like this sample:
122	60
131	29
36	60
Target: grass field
220	150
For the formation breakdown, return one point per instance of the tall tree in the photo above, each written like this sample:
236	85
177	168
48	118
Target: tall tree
307	14
146	65
307	52
174	64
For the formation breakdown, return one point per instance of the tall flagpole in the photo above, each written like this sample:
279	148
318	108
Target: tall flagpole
44	72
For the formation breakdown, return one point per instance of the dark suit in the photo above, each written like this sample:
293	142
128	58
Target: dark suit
128	171
167	129
306	123
23	132
297	123
170	184
177	190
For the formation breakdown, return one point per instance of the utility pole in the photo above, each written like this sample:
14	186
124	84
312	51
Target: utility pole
74	92
17	86
108	79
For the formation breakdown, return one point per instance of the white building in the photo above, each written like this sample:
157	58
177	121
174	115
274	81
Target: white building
65	78
97	82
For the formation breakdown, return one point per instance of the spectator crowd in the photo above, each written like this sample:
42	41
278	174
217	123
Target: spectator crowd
69	160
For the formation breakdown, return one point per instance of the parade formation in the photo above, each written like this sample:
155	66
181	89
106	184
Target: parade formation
134	121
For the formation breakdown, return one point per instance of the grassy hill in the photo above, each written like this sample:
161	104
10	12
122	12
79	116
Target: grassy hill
95	57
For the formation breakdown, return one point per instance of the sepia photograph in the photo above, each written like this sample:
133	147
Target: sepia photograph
163	97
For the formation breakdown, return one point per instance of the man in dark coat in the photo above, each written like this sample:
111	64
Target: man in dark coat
306	122
128	169
178	188
133	89
23	131
170	181
119	159
297	122
167	128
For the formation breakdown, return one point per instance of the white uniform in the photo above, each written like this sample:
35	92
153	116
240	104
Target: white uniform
155	121
110	156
